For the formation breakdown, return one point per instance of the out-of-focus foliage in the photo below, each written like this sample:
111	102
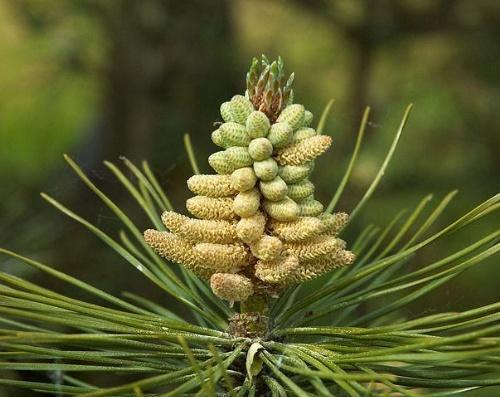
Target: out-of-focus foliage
99	79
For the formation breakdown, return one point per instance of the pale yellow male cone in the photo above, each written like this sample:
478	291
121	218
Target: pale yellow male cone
211	185
243	179
267	248
299	230
211	207
198	230
252	228
246	203
231	287
304	151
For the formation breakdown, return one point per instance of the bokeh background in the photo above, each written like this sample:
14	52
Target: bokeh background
101	79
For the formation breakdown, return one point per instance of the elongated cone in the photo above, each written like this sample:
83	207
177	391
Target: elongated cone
202	207
197	230
311	269
323	264
311	249
231	287
211	185
222	258
303	228
332	260
304	151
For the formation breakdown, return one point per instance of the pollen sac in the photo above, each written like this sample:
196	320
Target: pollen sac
274	190
267	248
231	287
295	173
240	108
177	250
303	133
243	179
251	229
293	115
246	203
280	135
220	163
299	191
260	149
211	185
266	170
285	210
257	124
238	157
170	246
311	269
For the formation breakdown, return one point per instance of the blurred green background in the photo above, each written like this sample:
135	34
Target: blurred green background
100	79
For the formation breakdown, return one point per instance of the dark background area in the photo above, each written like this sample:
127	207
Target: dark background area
100	79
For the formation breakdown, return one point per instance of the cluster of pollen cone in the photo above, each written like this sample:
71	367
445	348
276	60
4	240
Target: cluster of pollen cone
257	226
